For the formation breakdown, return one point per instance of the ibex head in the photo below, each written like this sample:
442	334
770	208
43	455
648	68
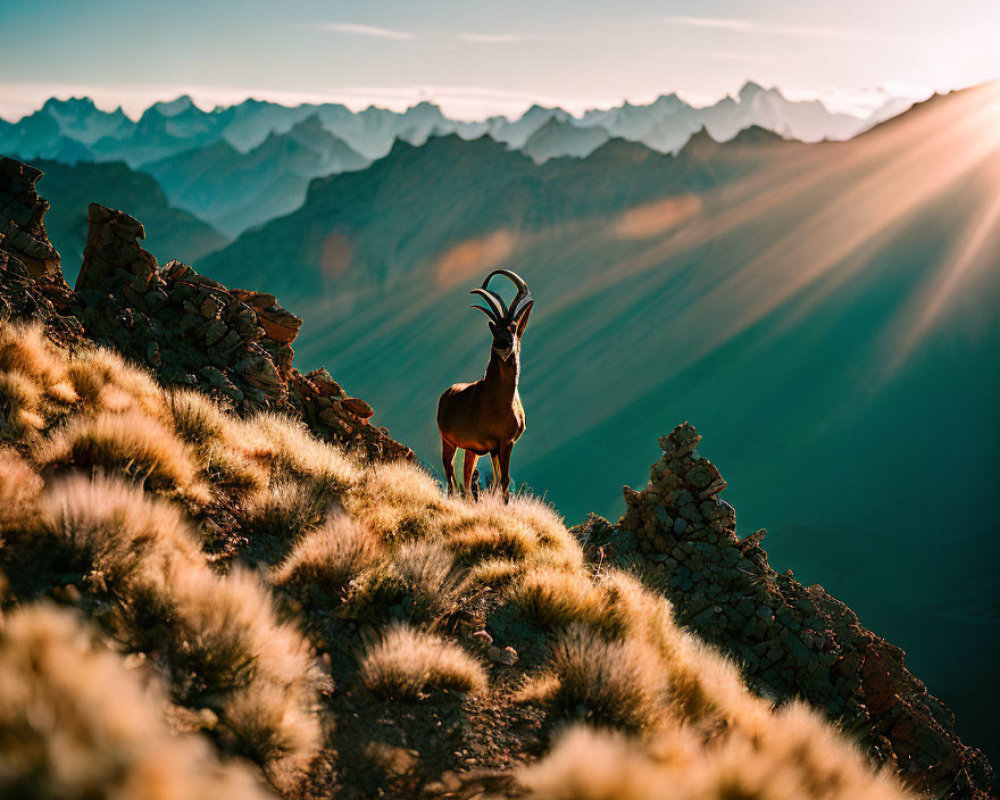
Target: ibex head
507	324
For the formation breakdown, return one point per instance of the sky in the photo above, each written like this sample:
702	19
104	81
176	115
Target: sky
478	58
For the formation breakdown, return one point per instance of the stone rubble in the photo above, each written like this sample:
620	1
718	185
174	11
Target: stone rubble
506	656
790	640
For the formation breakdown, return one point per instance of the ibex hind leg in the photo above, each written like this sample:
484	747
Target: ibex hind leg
468	473
496	470
448	458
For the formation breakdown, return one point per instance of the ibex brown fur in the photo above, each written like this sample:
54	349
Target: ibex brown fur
486	417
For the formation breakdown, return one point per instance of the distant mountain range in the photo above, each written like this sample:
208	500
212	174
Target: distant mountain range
236	190
827	312
237	166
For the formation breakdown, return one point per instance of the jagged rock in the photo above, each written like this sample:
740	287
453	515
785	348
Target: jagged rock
259	371
31	282
25	297
256	300
280	325
792	640
22	231
506	656
357	407
111	245
326	386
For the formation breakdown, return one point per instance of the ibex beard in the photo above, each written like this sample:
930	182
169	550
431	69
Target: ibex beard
486	417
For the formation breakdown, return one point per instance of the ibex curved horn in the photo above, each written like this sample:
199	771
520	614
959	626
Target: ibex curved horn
520	302
497	311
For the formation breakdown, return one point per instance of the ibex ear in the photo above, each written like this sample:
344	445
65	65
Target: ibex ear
522	322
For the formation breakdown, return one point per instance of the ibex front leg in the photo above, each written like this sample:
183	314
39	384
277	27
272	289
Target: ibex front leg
448	457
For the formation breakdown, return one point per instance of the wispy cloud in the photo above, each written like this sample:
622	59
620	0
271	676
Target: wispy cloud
505	38
749	26
362	30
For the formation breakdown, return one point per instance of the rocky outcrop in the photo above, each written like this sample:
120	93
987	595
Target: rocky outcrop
31	280
112	245
790	640
190	330
193	331
21	213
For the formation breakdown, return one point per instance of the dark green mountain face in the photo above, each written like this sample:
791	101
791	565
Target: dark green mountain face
824	314
171	232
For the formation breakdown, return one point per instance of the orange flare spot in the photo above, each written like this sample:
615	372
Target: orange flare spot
335	255
659	217
472	256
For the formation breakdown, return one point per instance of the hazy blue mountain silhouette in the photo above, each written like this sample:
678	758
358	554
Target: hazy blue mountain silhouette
175	140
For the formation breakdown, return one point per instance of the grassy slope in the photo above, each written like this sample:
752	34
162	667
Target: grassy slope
307	624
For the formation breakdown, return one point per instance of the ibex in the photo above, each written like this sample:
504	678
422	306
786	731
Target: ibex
487	416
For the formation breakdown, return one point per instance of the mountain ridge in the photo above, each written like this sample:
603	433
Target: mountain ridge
167	133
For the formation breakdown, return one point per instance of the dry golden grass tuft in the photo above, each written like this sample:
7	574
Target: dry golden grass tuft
107	382
406	662
421	575
288	448
796	754
524	530
329	557
34	384
800	757
224	641
24	348
129	444
496	573
705	688
399	501
197	419
20	487
75	723
287	509
123	542
219	440
281	736
20	404
587	764
557	598
617	684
